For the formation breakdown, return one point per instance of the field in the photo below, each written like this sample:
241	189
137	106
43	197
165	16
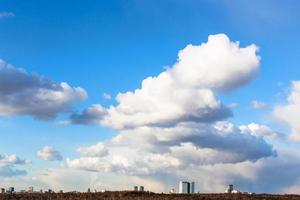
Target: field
140	196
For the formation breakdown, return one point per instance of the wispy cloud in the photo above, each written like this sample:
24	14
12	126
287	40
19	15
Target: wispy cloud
4	14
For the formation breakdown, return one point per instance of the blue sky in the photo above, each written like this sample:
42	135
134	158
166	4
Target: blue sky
112	46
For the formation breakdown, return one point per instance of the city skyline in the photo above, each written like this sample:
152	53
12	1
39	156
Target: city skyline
112	94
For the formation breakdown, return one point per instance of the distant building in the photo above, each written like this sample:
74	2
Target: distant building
192	187
141	188
89	190
229	188
2	190
172	191
186	187
30	189
11	190
138	188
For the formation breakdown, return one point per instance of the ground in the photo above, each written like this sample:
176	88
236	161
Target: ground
141	196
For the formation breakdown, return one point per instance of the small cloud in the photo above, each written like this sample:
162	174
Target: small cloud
233	105
49	153
258	105
106	96
98	150
5	14
91	115
259	130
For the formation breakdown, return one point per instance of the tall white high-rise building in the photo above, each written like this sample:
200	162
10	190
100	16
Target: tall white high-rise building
186	187
183	187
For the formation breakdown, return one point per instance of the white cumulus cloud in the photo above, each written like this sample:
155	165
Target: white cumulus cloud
186	91
288	113
148	150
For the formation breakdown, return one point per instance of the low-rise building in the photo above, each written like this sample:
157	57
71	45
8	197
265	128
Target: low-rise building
30	189
10	190
230	189
172	191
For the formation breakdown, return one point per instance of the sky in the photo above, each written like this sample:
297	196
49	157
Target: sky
112	94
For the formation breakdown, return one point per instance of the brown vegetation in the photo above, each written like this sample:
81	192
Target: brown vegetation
140	196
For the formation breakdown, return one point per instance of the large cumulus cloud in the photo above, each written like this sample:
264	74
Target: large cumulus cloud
176	120
186	92
23	93
148	150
